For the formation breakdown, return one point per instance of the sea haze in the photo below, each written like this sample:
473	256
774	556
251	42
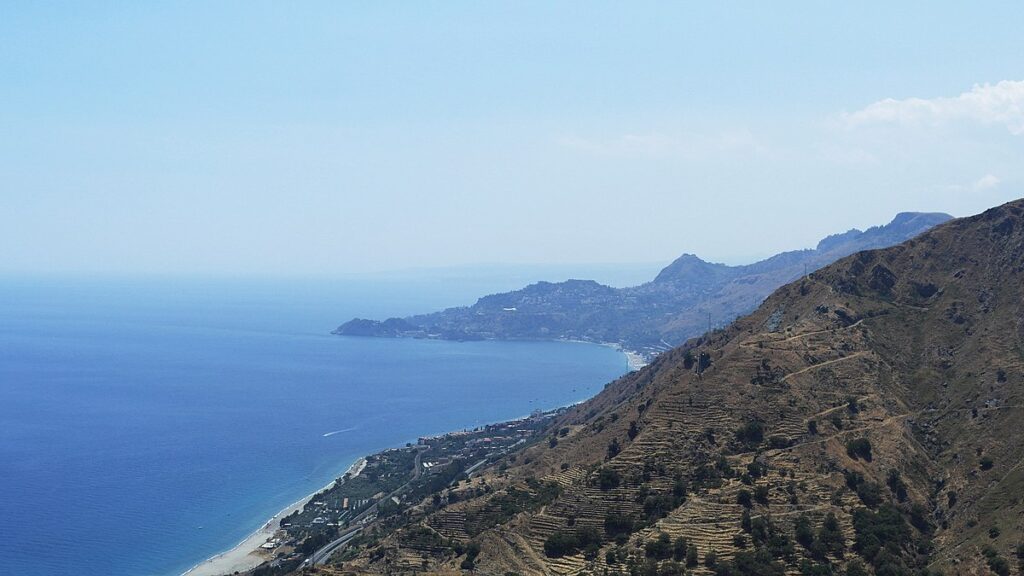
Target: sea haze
147	425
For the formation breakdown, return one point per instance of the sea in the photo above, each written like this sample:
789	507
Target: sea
147	424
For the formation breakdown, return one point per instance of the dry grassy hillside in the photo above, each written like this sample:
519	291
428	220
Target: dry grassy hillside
866	419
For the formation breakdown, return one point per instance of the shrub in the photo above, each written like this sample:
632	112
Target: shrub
588	539
751	433
679	489
999	565
808	568
874	531
870	494
657	507
812	426
761	495
760	531
859	448
837	421
896	484
856	568
691	555
919	518
853	479
986	463
803	532
472	551
560	544
831	535
608	478
679	548
758	563
614	448
616	523
743	498
671	569
659	549
757	469
633	430
711	559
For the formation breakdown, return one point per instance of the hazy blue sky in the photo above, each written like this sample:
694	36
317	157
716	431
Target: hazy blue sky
332	137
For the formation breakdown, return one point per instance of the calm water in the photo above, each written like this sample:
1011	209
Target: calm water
145	426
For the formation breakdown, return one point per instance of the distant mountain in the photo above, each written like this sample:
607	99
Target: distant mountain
679	303
865	419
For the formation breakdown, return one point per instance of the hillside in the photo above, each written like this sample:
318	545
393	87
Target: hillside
863	420
648	318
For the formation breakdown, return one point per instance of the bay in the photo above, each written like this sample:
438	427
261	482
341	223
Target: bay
146	425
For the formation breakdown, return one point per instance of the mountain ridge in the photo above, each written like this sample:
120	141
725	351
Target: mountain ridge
863	419
648	318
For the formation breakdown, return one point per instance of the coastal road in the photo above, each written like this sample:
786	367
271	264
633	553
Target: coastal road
321	556
469	471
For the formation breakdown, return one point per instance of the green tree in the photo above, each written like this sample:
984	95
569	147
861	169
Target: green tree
691	555
803	531
859	448
831	535
743	498
614	448
608	478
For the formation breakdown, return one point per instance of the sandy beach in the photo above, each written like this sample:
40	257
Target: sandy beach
247	553
633	360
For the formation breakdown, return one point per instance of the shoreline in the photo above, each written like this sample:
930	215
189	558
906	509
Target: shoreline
634	360
247	555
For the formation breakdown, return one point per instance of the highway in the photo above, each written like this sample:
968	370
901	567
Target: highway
321	556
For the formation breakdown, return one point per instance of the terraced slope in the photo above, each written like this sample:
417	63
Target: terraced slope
864	419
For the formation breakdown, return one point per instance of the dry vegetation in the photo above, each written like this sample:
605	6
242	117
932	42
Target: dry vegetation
864	420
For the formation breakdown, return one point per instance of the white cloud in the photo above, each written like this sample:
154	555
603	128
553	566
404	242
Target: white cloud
985	182
998	104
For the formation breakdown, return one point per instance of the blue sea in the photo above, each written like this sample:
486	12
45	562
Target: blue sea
147	424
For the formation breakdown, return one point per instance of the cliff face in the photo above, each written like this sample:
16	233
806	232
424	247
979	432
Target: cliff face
651	317
865	418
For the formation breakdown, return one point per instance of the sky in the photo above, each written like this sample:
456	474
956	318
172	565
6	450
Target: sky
325	138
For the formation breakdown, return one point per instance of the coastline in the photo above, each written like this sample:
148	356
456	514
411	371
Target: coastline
247	554
634	360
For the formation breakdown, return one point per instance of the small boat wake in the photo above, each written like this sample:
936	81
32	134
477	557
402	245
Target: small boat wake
339	431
